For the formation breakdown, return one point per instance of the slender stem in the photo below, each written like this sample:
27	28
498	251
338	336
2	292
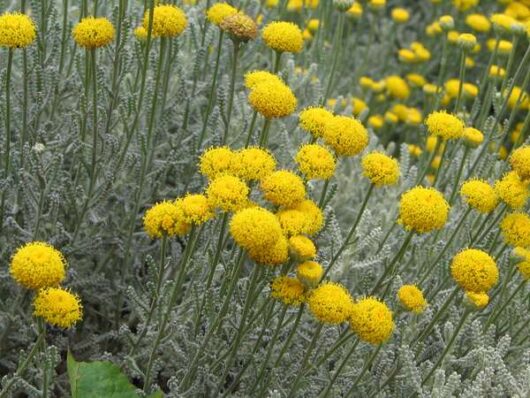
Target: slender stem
235	57
493	317
459	175
340	369
364	369
337	50
7	148
461	74
277	62
251	129
440	166
264	135
323	194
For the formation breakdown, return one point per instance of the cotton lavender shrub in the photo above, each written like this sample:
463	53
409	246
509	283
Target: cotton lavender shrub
276	198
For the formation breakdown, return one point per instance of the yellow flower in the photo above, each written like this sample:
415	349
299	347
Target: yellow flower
283	188
355	11
275	254
240	27
217	161
474	270
58	307
444	125
515	229
423	210
467	40
313	25
505	23
309	273
346	135
219	11
477	300
473	137
283	37
372	320
194	209
255	228
140	33
272	99
416	79
464	5
520	162
497	71
524	265
16	30
330	303
93	32
305	218
314	120
252	79
302	248
315	162
414	150
289	291
412	298
227	193
253	163
37	265
358	106
165	218
397	87
512	190
479	195
168	21
376	121
380	169
478	22
400	15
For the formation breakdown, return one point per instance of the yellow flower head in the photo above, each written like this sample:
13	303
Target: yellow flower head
309	273
305	218
194	209
168	21
37	265
400	15
165	218
467	41
219	11
315	162
302	248
289	291
512	190
477	300
255	228
217	161
412	298
283	188
372	320
380	169
16	30
227	193
444	125
515	229
524	265
253	163
314	120
479	195
272	99
473	137
346	135
252	79
520	162
140	33
464	5
474	270
240	27
478	22
58	307
423	210
331	303
505	23
93	32
275	254
283	37
397	87
355	11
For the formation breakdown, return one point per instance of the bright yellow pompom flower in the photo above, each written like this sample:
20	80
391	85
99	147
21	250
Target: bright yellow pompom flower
165	219
520	162
478	22
412	298
315	162
474	270
254	163
331	303
512	190
444	125
283	37
252	79
314	120
515	229
168	21
473	137
309	273
397	87
346	135
423	210
93	32
477	300
289	291
283	188
272	99
219	11
227	193
273	255
400	15
372	320
194	209
479	195
37	265
380	169
16	30
217	161
305	218
255	228
302	248
58	307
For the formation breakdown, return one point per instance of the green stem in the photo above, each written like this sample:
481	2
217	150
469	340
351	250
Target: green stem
364	369
461	75
251	129
232	91
340	369
277	62
459	175
493	317
337	50
7	148
439	169
264	135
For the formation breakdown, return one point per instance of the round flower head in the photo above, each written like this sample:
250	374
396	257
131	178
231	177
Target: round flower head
314	120
165	218
474	270
140	33
227	193
372	320
217	161
346	135
343	5
272	99
464	5
444	125
252	79
305	218
397	87
93	32
380	169
283	188
289	291
477	301
423	210
479	195
515	229
275	254
219	11
473	137
58	307
467	41
302	248
240	27
253	163
309	273
315	162
16	30
400	15
412	298
194	209
512	190
330	303
168	21
524	265
520	162
283	37
37	265
255	228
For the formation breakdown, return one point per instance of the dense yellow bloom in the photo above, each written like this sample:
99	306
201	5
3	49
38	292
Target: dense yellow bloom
376	121
37	265
302	248
58	307
423	210
355	11
240	27
512	190
93	32
478	22
275	254
416	79
252	79
372	320
380	169
255	228
497	71
140	33
474	270
473	137
444	125
331	303
165	218
16	30
397	87
479	195
289	291
253	163
168	21
217	161
505	23
464	5
194	209
315	162
467	40
309	273
412	298
520	162
376	4
272	99
283	188
515	229
400	15
477	300
227	193
219	11
524	265
358	106
314	120
306	218
414	150
346	135
283	37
